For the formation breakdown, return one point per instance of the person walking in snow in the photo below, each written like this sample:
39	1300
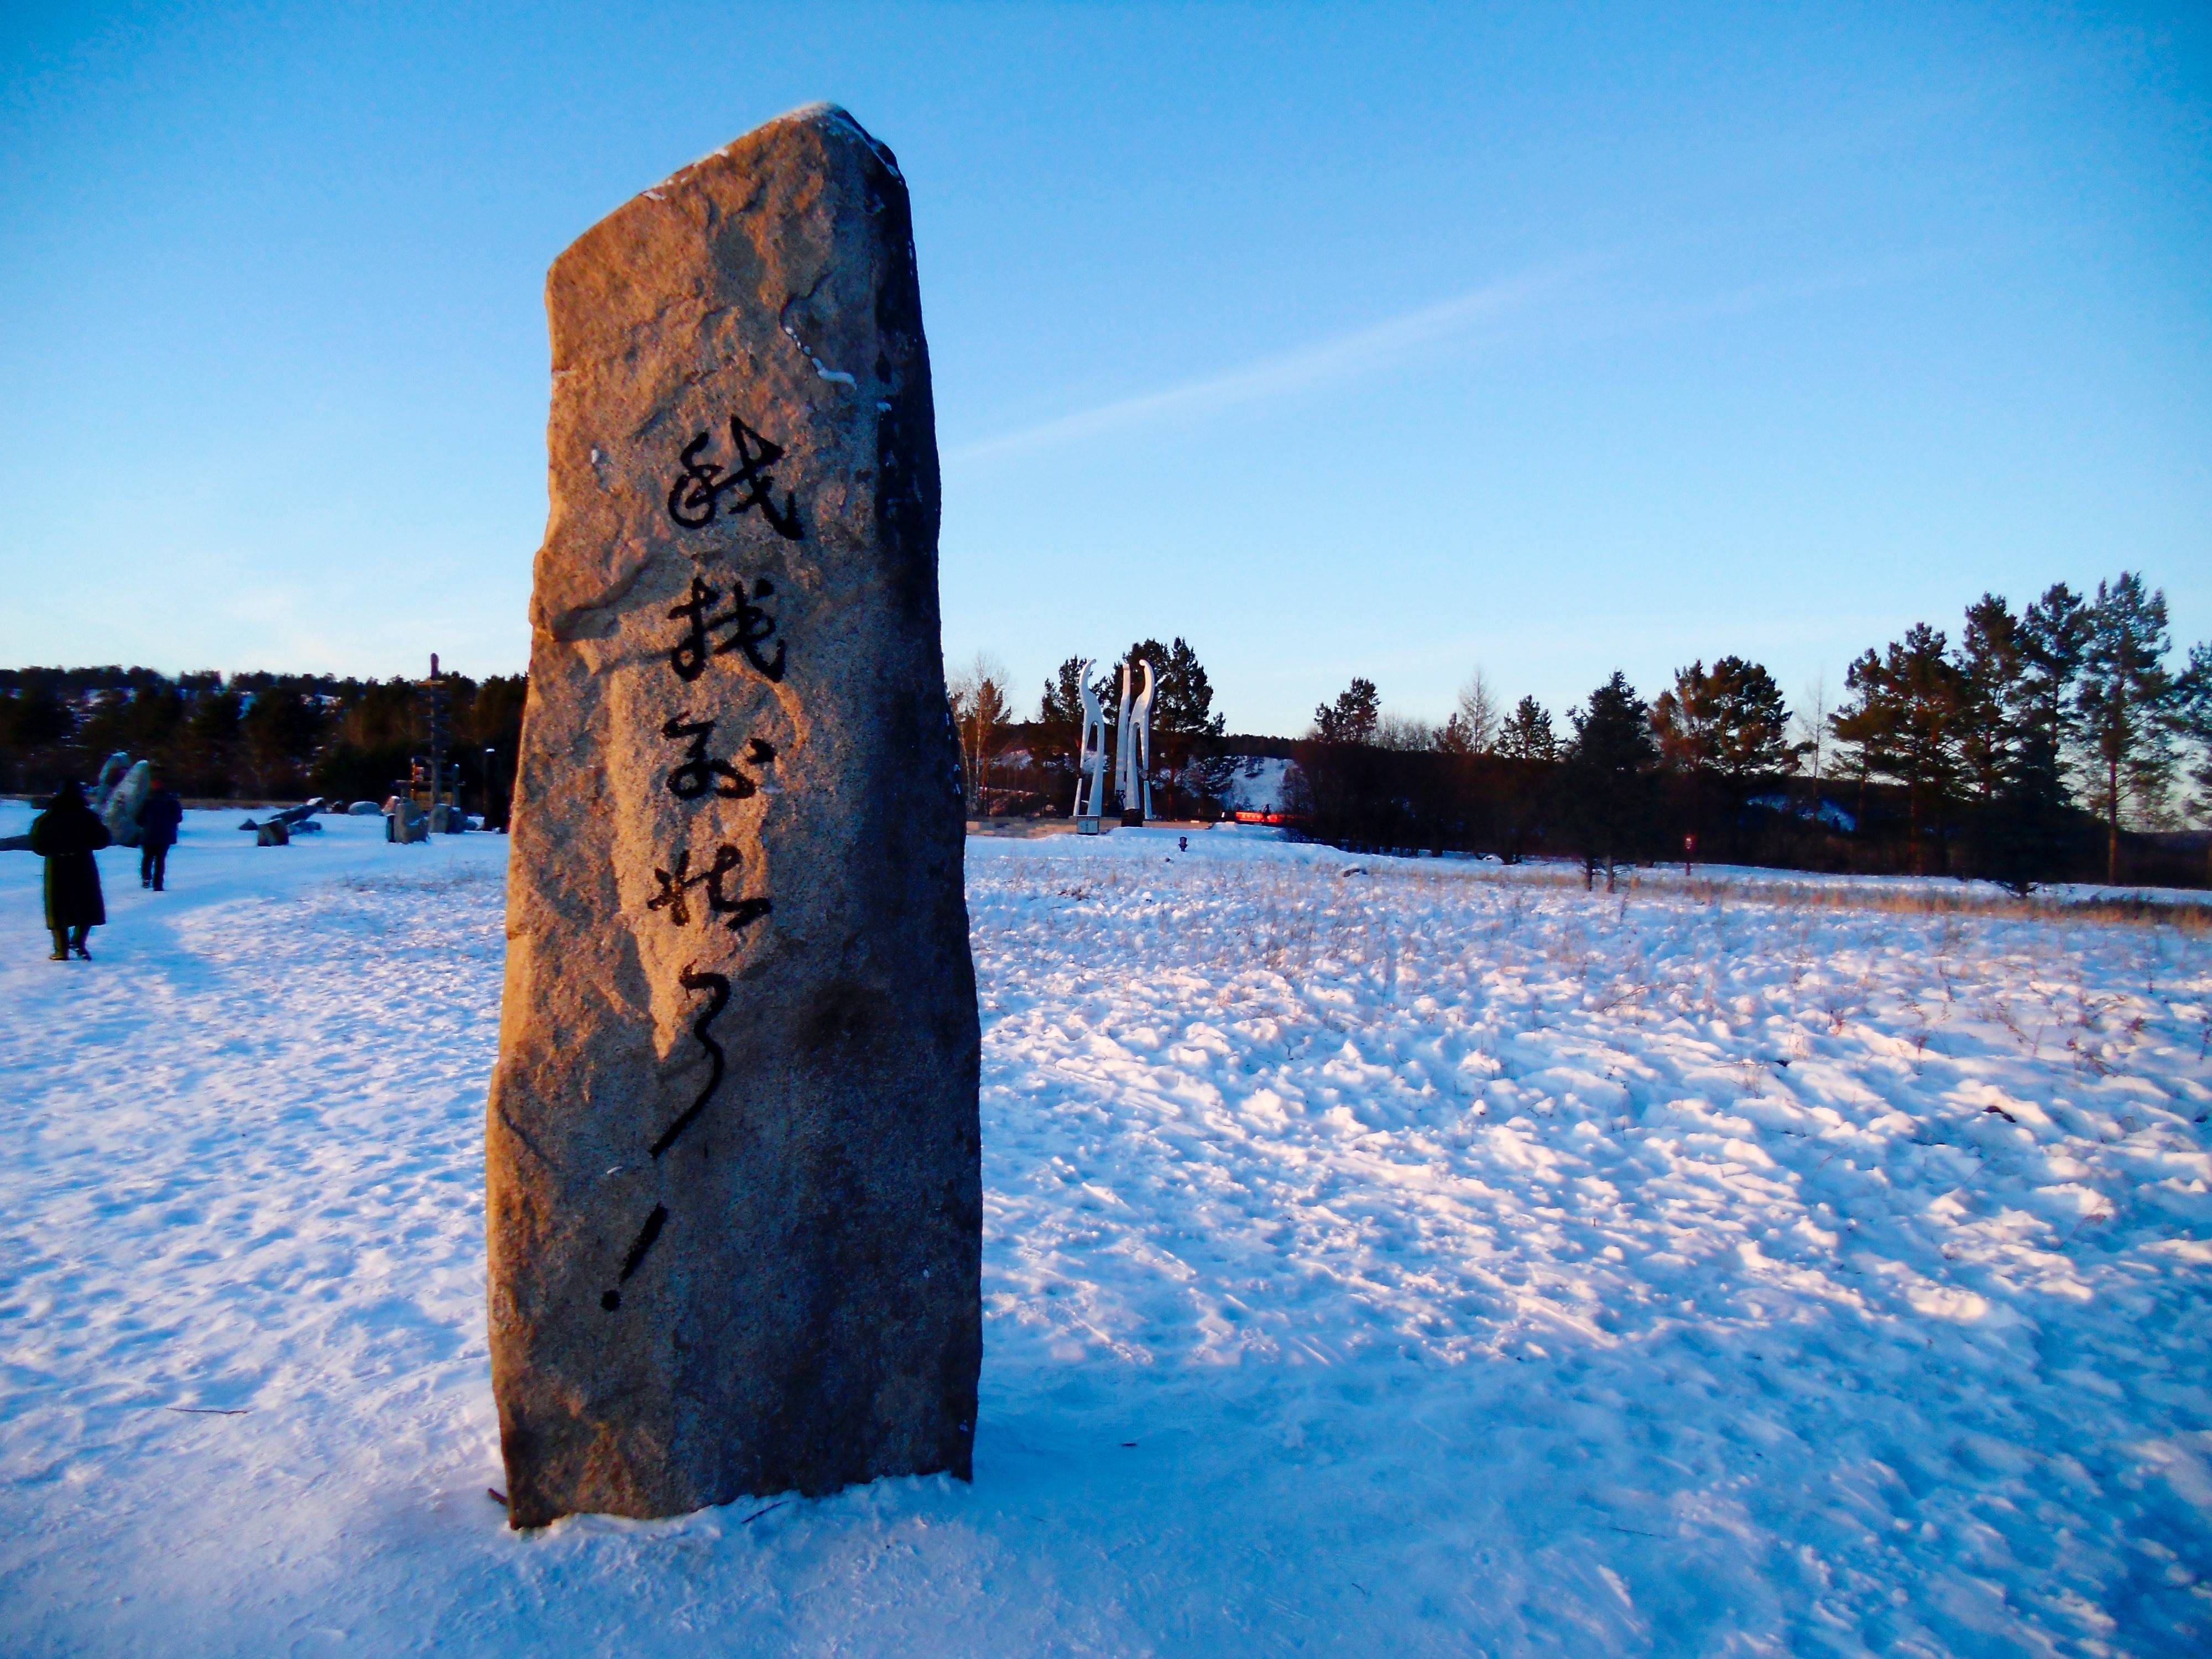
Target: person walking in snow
159	815
66	835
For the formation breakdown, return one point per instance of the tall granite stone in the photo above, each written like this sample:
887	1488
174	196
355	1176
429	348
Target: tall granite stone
734	1189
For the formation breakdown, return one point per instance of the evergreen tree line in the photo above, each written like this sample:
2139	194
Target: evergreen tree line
2052	742
255	736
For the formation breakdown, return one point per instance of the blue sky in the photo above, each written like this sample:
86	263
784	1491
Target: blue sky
1380	340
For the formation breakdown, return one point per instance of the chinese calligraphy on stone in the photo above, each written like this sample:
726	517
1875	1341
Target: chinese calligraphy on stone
701	772
733	1195
675	884
750	627
694	498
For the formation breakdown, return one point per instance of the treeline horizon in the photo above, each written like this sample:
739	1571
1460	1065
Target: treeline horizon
256	735
2060	740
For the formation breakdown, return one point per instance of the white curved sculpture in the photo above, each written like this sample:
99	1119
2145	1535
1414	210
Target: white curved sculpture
118	796
1135	769
111	775
1091	765
120	815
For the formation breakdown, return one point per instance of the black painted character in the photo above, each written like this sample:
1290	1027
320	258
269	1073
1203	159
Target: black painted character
701	772
748	624
717	987
742	912
694	498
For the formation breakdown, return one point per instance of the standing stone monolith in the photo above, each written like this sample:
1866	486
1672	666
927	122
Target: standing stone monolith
734	1191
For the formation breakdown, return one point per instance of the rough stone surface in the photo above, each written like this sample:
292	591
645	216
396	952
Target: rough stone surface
734	1186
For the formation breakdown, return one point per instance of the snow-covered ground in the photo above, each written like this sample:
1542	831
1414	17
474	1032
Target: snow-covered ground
1431	1259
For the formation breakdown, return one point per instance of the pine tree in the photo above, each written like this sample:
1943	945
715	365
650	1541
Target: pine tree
2193	700
1900	725
2054	632
1526	734
1991	663
1862	727
1352	717
1730	723
2011	732
1183	699
1062	702
1926	760
2127	705
1751	725
1684	719
1606	776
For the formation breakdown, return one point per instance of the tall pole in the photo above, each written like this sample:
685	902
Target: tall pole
437	738
436	685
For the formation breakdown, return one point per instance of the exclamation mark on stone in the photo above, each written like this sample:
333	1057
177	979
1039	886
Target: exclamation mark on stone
646	1234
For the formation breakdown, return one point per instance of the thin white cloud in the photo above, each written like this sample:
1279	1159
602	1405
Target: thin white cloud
1383	346
1363	351
1759	296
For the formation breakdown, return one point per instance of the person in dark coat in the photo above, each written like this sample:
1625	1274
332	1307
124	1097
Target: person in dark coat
159	815
66	835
